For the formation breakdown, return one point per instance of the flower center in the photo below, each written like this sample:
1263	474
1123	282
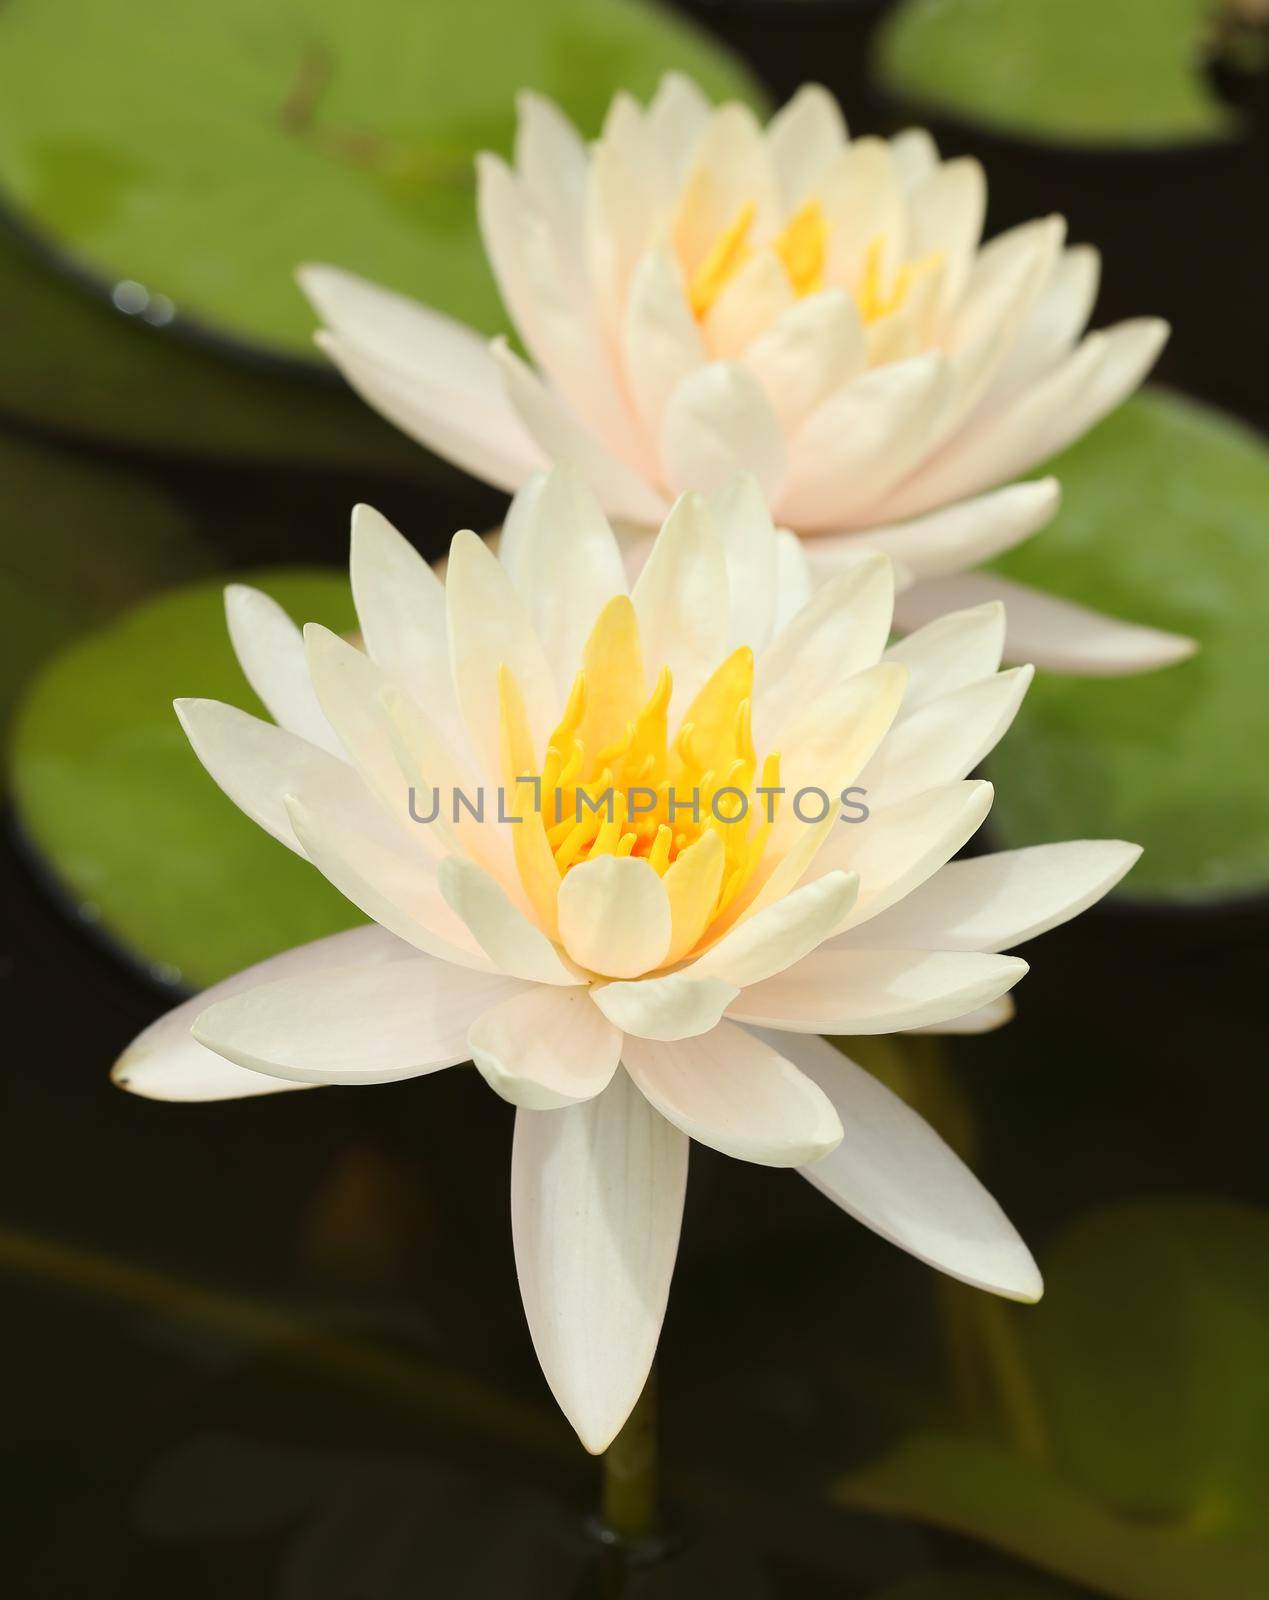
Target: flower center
802	248
614	781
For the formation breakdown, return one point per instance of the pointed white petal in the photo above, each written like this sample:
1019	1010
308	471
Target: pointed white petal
997	901
946	738
863	201
876	991
894	1174
782	933
1055	634
615	916
356	1025
749	303
677	1005
957	648
812	350
676	597
740	515
719	422
544	1048
270	651
506	935
985	1020
1056	321
551	161
803	137
661	343
166	1062
736	1094
596	1203
794	583
915	155
945	219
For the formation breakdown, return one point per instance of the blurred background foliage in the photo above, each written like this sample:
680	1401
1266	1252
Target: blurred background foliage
274	1348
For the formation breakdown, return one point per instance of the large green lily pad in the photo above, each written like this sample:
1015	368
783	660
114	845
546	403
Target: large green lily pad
110	794
75	365
78	542
1147	1358
204	151
1165	520
1095	72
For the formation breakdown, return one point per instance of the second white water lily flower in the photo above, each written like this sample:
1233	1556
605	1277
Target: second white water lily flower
635	977
701	295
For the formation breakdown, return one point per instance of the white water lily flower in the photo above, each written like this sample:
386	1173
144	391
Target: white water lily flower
700	295
633	978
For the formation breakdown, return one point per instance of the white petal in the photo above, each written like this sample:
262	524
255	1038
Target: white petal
957	648
863	201
841	630
678	115
1055	634
814	348
985	1020
562	436
794	583
876	991
782	933
351	691
490	626
596	1202
661	342
740	516
1056	321
997	901
166	1062
270	651
615	916
376	864
945	218
719	422
803	137
677	1005
356	1025
894	1174
736	1094
731	170
552	162
952	538
506	935
946	738
401	609
899	846
258	764
682	625
861	440
544	1048
915	155
568	566
750	302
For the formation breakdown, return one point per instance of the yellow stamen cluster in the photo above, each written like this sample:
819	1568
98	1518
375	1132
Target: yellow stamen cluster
614	782
802	248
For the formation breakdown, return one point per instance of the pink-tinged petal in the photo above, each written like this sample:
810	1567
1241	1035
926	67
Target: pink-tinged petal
596	1204
676	597
615	916
736	1094
166	1062
899	846
356	1025
1055	634
677	1005
994	902
503	932
562	436
952	538
544	1048
750	302
894	1174
862	440
946	738
270	651
661	343
258	764
803	138
876	991
401	610
957	648
813	349
719	422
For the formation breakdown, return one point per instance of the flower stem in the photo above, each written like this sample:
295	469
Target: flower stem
629	1504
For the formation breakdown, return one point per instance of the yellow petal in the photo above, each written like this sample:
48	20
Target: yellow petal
612	663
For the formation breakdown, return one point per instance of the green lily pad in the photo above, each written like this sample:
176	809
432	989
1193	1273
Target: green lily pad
1164	519
1086	72
1148	1359
205	151
110	794
78	542
75	365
